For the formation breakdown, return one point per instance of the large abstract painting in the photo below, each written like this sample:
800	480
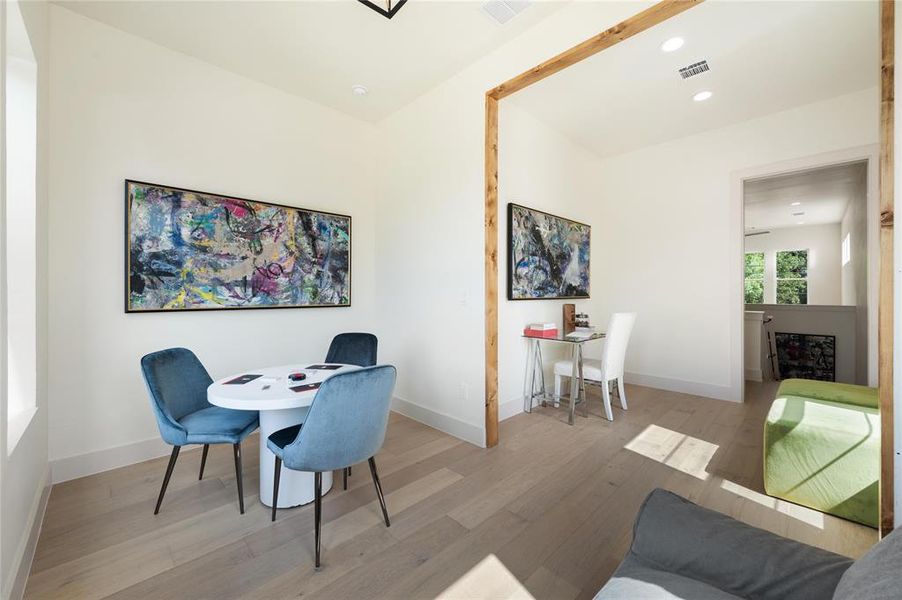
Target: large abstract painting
806	356
190	250
548	255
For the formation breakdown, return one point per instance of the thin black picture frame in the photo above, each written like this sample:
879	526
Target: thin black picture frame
510	260
127	282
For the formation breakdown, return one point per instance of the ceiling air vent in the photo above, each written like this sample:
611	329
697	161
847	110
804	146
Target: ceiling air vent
502	11
694	69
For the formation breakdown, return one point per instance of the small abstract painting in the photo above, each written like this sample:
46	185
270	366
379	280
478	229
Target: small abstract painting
548	255
189	250
806	356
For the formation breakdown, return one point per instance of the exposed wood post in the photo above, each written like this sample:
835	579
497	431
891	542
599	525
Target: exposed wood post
491	271
885	310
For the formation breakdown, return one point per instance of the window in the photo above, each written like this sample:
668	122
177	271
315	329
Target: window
19	226
846	249
792	277
754	278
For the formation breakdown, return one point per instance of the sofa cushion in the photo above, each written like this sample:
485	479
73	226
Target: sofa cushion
844	393
634	580
876	575
823	455
675	535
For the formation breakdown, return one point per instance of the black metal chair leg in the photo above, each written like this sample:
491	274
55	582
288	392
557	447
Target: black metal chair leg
203	461
237	449
275	486
379	490
318	511
349	471
344	477
169	468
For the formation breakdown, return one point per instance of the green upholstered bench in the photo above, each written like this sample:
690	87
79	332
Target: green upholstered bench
822	448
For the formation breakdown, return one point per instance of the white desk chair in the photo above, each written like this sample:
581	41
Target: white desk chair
610	367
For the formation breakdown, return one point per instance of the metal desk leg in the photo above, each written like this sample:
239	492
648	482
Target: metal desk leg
540	365
575	380
582	384
529	377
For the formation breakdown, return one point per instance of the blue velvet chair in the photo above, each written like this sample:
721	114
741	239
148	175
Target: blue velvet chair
346	424
177	384
353	349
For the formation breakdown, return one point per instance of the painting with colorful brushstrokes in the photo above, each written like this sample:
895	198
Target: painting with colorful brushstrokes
548	255
191	250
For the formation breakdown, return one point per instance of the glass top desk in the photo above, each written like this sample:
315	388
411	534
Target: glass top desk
535	370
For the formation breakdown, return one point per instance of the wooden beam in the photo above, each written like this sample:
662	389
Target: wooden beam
491	271
885	310
626	29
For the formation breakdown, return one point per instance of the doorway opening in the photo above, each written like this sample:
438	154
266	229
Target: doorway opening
810	261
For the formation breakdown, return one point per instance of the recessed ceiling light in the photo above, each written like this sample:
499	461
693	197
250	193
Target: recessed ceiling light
359	90
702	96
800	222
674	43
795	203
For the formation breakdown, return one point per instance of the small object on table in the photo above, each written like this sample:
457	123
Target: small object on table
323	367
544	330
569	318
582	320
306	388
297	376
242	379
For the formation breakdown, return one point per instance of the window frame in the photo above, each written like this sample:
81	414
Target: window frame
778	279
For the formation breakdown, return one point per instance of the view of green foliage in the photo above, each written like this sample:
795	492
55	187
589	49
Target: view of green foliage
792	291
792	273
754	278
792	264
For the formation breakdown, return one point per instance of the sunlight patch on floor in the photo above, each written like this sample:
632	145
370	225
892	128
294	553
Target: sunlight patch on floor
801	513
674	449
488	579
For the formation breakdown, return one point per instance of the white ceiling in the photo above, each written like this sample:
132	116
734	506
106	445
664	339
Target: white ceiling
764	57
823	194
319	49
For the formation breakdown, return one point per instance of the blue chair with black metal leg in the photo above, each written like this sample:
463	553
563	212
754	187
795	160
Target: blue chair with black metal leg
346	424
353	349
177	384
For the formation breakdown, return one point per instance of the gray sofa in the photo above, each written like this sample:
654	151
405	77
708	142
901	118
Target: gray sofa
683	551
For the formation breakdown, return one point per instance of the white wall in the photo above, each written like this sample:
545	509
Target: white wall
824	259
122	107
673	226
430	253
23	471
855	273
541	169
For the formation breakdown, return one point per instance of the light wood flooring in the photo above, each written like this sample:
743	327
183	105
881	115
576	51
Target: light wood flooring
548	513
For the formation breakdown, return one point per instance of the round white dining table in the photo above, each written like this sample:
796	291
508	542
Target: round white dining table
279	407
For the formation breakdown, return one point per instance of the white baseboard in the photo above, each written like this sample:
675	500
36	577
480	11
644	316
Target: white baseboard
450	425
754	375
25	552
696	388
82	465
73	467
